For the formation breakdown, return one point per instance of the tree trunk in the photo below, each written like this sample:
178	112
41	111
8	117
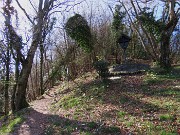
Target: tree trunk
41	68
42	15
36	80
20	96
165	62
13	106
6	95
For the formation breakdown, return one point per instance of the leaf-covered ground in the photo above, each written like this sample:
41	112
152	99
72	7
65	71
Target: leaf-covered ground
139	104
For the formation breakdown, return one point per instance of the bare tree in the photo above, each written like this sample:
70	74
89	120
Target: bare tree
43	12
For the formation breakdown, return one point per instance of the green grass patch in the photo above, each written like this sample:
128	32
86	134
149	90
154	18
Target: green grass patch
166	117
171	91
169	76
93	90
70	101
85	133
7	128
121	114
57	123
110	130
123	99
130	121
174	73
157	75
2	117
163	132
68	129
92	125
166	103
152	79
83	93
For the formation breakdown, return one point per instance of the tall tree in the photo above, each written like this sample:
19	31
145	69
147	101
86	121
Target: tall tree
5	62
170	24
7	80
157	32
42	14
8	10
47	29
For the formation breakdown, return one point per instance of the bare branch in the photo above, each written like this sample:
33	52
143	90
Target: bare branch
32	6
25	12
177	12
66	8
40	5
138	6
111	9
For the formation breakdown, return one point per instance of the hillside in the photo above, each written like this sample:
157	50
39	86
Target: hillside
138	104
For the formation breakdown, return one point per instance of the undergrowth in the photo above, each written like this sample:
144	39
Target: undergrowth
11	123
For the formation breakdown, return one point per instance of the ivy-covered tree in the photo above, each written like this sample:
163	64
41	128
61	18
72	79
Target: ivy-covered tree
77	28
157	32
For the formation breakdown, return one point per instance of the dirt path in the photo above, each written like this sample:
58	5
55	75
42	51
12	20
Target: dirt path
36	117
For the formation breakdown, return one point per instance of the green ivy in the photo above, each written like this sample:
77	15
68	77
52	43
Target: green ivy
151	24
117	25
77	28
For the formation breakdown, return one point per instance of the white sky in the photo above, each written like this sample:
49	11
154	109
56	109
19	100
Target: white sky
81	8
99	7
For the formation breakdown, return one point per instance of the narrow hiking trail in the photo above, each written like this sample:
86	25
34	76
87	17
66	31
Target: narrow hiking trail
36	116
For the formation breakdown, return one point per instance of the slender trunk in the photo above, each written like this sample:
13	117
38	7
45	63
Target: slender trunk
6	95
52	80
32	86
34	92
17	63
41	69
36	77
13	107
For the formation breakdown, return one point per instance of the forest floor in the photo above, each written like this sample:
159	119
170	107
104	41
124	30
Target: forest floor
142	104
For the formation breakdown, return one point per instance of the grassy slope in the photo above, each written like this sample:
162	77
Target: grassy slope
141	104
10	124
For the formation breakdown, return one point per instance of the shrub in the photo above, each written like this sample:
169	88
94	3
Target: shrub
101	67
